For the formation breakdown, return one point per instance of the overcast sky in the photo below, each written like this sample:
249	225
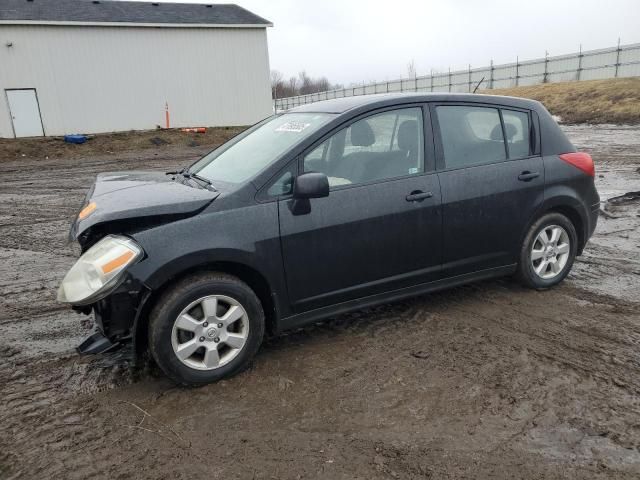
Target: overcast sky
363	40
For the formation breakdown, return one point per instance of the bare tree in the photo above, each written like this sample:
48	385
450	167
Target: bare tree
306	83
277	83
322	84
293	86
303	84
411	69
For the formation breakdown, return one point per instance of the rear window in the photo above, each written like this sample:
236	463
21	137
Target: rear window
470	135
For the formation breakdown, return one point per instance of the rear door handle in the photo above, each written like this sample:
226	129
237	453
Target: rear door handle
527	176
418	196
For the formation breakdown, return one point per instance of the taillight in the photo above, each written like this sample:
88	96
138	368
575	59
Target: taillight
580	160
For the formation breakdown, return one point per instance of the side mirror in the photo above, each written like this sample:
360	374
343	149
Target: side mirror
311	185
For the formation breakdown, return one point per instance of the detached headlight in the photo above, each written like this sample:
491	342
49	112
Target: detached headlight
98	269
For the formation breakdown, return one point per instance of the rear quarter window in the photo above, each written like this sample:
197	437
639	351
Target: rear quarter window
517	128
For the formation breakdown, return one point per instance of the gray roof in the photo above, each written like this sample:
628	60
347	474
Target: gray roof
105	11
344	104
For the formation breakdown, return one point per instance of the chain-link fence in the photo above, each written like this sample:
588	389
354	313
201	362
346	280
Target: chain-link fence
620	61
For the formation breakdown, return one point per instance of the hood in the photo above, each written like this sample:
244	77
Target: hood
147	196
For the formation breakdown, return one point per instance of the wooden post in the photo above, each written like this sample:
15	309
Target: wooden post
617	58
546	68
579	64
491	75
517	70
166	114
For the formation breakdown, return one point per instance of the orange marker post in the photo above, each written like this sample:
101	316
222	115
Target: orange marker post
166	114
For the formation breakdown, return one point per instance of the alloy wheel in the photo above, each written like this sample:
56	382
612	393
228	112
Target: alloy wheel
210	332
550	251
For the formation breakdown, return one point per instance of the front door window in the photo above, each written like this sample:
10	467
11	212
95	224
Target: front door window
382	146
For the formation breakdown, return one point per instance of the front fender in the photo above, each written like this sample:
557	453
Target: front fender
248	236
230	261
201	259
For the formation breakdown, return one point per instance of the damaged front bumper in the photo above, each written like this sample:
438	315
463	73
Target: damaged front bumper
116	318
95	343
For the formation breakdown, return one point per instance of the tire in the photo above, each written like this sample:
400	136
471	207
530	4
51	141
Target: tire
196	318
531	271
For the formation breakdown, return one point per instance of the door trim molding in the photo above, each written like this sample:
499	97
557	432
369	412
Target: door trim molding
302	319
374	283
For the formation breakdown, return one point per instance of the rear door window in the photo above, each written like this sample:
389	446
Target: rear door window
517	130
470	135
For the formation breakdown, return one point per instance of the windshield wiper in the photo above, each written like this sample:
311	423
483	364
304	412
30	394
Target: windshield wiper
187	174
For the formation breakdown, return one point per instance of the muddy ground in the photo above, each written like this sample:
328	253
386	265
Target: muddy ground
488	380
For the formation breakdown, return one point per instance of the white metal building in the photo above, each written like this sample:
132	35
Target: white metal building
83	66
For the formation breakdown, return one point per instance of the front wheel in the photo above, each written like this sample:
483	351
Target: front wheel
548	252
206	328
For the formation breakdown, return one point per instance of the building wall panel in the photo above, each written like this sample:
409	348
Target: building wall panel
102	79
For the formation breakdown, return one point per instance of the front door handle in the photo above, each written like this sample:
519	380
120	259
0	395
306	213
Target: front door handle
418	196
527	176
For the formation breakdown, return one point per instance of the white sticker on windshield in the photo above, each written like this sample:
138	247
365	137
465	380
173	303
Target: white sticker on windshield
295	127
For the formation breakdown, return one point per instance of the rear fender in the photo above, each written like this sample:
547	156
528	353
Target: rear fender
562	199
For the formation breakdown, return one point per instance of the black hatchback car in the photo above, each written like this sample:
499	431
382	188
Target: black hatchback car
323	209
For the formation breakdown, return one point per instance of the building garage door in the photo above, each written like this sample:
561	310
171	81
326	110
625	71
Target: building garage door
25	113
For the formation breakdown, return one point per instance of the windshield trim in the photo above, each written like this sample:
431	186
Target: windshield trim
232	141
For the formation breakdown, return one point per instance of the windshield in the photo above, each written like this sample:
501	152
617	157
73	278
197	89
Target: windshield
242	158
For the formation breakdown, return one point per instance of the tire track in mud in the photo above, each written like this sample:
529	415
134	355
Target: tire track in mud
606	361
48	416
466	348
42	420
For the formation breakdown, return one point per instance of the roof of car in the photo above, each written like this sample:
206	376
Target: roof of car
342	105
111	12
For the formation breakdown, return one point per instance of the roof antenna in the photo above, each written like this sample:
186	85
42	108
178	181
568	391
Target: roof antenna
478	85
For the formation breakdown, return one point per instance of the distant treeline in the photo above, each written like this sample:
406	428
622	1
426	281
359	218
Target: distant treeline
303	84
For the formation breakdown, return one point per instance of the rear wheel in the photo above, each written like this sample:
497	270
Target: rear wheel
548	252
207	327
